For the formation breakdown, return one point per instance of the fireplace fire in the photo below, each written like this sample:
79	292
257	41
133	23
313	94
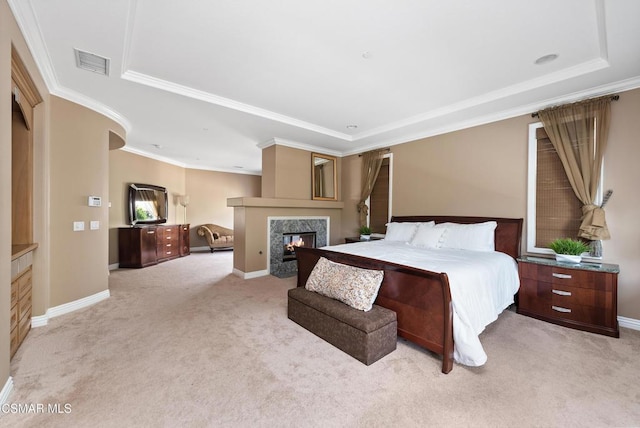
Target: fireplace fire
292	240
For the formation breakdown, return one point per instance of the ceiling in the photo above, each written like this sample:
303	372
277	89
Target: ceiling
208	83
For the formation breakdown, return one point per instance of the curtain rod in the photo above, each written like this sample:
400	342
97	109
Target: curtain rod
386	149
613	98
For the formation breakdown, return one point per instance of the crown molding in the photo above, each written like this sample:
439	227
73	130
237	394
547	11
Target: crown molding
28	24
616	87
296	145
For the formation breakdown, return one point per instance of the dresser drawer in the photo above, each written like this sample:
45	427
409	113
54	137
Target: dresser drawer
14	293
568	303
13	347
584	297
24	286
567	276
14	317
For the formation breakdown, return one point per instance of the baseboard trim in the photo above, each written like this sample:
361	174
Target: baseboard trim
631	323
66	308
6	391
250	275
114	266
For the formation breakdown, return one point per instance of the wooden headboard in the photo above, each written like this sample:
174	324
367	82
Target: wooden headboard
508	231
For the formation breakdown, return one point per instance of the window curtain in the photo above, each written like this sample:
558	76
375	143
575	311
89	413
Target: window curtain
371	163
579	133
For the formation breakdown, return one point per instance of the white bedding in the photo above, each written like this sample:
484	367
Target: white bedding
482	284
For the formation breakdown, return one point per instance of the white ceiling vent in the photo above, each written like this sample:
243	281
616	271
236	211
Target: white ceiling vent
91	62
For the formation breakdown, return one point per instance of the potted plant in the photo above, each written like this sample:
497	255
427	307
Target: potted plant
365	233
568	250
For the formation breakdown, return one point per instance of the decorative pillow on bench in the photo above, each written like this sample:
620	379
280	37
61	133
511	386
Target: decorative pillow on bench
351	285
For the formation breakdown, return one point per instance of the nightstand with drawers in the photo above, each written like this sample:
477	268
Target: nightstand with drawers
583	296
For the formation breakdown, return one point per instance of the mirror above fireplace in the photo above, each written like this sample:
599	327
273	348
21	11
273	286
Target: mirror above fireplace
323	177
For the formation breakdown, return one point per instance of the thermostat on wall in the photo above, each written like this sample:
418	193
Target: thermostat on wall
95	201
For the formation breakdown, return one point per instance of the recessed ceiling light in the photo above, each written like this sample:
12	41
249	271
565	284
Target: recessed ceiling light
366	55
157	146
545	59
352	126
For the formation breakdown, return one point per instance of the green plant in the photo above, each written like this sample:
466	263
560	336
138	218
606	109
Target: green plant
568	246
365	230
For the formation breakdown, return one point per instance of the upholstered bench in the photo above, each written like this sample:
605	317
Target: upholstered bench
366	336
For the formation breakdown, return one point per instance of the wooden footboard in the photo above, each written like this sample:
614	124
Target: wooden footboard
421	299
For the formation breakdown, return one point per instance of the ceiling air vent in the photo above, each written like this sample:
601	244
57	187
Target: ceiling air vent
91	62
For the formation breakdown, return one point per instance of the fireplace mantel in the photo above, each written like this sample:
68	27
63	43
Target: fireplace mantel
282	203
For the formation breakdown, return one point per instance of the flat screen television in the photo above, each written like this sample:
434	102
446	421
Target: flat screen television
148	204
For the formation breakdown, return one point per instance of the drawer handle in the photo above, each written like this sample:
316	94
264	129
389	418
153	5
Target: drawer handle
561	275
561	293
168	245
561	309
151	231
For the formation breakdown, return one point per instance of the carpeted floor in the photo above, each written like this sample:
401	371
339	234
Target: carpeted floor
187	344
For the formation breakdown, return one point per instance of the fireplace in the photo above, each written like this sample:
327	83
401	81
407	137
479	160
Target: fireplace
290	241
286	233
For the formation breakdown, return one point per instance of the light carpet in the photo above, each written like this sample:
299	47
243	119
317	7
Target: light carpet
187	344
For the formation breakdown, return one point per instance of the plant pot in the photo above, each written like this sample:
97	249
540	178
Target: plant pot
365	237
567	258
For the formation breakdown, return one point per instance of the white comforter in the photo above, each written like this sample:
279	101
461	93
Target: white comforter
482	284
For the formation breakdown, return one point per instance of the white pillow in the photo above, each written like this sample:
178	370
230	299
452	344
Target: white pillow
352	285
428	236
475	236
402	232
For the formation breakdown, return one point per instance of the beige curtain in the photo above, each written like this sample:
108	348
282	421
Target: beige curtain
579	133
371	162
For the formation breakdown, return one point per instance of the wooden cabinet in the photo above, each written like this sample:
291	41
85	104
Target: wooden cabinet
20	322
183	237
168	246
583	296
144	246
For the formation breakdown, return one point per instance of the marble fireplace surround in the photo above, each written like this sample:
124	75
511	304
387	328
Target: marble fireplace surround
277	226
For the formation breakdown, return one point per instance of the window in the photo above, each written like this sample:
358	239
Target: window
379	201
553	211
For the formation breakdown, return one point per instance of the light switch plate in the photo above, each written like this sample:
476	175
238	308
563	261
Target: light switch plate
78	226
95	225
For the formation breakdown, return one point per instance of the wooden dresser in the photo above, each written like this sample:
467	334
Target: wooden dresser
150	245
583	296
21	294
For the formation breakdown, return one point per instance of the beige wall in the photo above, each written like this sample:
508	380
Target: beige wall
208	192
126	168
622	175
351	184
286	173
479	171
483	171
79	168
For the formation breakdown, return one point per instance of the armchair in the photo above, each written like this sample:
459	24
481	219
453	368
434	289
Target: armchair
218	237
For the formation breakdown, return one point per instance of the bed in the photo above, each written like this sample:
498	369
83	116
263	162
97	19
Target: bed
422	298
